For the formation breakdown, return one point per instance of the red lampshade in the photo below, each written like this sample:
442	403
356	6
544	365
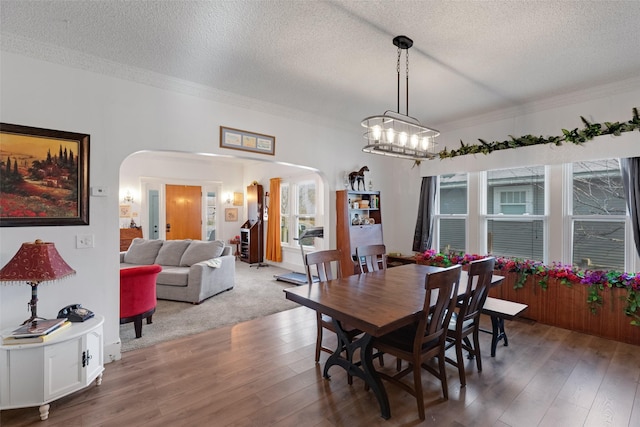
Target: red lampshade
36	262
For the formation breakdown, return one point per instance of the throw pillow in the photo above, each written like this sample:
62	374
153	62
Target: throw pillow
142	251
201	251
171	252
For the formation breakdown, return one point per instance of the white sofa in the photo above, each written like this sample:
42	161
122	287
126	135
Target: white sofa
192	270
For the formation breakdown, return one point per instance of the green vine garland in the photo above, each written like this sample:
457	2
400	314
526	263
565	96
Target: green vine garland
576	136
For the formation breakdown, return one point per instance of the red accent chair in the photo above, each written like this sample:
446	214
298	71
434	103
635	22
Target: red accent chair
138	295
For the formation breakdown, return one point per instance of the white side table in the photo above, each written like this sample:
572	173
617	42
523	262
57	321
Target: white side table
37	374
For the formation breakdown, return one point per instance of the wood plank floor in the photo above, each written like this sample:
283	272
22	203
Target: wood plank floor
262	373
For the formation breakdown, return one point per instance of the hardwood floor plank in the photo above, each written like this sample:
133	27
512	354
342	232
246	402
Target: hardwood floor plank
262	373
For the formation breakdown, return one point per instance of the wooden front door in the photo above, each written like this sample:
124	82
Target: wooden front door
184	212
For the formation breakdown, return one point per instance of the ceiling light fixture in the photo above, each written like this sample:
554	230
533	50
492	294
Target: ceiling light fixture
395	134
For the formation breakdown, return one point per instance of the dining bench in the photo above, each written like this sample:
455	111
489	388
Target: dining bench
499	310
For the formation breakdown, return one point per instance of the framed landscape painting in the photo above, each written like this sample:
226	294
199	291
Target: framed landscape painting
44	177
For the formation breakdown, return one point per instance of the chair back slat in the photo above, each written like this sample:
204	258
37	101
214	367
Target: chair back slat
434	320
322	262
478	284
371	258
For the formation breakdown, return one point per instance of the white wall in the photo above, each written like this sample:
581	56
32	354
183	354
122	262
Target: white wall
125	117
613	103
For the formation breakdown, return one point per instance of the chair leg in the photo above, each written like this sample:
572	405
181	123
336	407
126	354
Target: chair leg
443	376
318	340
137	325
417	386
460	363
476	342
149	321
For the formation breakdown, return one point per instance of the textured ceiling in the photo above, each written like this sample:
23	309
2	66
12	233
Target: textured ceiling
336	59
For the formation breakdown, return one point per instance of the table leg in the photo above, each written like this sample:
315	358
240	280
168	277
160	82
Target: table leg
364	370
497	325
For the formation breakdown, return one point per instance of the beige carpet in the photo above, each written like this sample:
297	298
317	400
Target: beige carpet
255	294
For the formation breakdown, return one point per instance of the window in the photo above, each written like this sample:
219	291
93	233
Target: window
211	215
451	219
298	209
284	212
573	213
598	220
516	213
305	214
516	200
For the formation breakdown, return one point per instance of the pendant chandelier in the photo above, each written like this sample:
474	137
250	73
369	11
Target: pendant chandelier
395	134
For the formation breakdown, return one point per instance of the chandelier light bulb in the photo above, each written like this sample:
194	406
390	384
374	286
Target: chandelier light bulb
425	142
390	135
376	132
403	138
414	141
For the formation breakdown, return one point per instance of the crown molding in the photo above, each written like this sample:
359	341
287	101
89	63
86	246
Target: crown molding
70	58
563	100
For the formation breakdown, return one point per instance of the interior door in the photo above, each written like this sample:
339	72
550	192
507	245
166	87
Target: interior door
184	212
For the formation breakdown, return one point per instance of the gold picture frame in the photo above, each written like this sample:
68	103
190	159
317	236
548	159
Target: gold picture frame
125	211
231	214
238	199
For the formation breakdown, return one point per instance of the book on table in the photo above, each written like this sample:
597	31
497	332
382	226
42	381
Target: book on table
37	328
31	339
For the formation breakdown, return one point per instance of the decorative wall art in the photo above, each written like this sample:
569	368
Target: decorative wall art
231	214
45	177
247	141
238	199
125	211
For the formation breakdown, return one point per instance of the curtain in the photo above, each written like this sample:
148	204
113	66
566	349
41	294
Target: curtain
423	236
630	169
274	246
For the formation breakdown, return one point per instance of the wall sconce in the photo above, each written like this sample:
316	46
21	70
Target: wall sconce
228	198
128	198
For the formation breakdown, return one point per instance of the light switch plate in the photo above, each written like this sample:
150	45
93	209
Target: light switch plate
99	191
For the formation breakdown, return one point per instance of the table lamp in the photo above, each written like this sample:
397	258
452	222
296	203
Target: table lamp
35	263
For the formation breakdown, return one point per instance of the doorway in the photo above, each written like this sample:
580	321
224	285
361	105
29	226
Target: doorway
184	212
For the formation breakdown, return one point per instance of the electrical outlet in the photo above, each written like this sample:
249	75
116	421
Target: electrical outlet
84	241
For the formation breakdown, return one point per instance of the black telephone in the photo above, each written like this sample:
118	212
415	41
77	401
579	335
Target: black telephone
75	313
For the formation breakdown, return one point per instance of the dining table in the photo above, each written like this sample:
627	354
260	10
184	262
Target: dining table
376	303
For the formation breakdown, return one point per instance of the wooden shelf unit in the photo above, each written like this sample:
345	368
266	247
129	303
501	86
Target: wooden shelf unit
249	248
349	235
251	232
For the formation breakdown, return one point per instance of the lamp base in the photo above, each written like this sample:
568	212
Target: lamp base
32	319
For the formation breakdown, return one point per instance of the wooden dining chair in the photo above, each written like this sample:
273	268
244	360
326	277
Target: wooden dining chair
371	258
425	339
324	263
465	320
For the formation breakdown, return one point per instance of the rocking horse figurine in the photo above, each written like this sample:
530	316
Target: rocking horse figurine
357	177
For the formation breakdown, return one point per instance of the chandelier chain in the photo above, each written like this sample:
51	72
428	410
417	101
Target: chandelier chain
407	62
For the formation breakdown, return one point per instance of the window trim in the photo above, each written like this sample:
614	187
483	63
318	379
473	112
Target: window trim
293	184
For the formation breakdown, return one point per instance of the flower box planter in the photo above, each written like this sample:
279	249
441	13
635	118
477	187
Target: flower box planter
567	307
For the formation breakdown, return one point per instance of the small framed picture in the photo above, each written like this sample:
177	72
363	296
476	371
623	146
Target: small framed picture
238	199
125	211
231	214
247	141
